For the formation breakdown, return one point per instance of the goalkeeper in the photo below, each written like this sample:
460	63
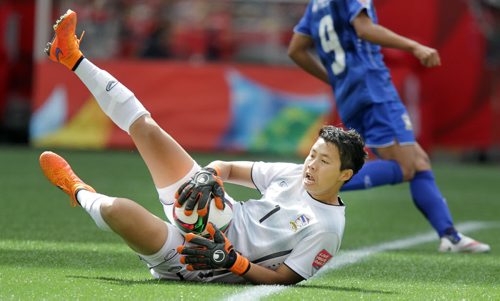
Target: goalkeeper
284	237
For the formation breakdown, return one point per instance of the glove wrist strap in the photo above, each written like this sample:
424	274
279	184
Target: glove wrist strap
240	266
213	170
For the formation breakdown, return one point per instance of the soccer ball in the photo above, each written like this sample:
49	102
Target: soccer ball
197	224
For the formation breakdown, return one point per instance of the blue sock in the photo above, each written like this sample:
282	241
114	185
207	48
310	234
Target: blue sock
375	173
430	202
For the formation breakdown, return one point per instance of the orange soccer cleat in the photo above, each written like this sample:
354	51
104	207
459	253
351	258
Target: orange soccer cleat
65	46
59	173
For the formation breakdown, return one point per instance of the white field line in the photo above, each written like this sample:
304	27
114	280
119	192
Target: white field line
355	256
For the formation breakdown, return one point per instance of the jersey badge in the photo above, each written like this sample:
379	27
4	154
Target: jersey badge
321	259
299	223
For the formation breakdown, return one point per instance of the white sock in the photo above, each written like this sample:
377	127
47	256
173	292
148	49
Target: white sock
91	202
116	100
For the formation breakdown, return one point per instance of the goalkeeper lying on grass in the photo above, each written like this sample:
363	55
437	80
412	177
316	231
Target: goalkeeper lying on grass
282	238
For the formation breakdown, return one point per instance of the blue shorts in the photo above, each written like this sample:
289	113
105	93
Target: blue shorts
382	124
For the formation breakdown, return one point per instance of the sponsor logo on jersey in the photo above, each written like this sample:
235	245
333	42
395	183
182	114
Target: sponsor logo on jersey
321	259
299	223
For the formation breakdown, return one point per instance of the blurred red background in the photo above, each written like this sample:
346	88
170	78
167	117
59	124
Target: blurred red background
454	107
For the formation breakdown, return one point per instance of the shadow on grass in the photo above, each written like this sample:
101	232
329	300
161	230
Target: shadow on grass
120	281
127	282
343	289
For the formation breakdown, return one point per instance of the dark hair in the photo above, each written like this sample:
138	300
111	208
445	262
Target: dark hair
350	145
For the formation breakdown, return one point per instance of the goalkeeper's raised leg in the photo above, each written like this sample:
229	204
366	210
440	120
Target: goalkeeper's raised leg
159	151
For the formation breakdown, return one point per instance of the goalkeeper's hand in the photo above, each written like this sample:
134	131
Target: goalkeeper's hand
198	190
208	254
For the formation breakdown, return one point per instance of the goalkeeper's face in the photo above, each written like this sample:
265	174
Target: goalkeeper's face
322	176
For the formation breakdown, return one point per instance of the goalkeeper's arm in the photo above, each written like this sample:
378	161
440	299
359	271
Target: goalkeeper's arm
236	172
218	252
283	275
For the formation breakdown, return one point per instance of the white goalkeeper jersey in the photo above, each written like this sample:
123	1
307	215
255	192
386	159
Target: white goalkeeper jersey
286	225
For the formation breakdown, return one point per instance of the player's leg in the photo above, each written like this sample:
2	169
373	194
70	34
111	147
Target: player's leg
390	125
151	238
165	158
375	172
141	230
387	129
167	161
429	200
399	162
425	194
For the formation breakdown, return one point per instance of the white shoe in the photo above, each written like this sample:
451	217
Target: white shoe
464	245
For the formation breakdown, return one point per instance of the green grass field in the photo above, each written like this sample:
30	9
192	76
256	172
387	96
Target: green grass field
51	251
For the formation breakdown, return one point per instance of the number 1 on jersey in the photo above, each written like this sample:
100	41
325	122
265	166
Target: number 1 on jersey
330	42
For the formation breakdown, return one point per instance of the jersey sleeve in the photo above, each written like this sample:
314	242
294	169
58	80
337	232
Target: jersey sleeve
312	253
263	173
356	6
303	25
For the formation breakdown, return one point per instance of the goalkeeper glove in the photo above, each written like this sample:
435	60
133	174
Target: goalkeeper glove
212	254
198	190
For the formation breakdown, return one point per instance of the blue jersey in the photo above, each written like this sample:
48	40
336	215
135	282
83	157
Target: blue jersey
355	67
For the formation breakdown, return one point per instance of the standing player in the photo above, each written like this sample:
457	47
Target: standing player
282	238
347	39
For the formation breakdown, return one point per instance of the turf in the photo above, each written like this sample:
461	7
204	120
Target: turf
51	251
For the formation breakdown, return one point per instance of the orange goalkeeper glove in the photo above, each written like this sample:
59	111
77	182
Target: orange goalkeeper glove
212	254
204	185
